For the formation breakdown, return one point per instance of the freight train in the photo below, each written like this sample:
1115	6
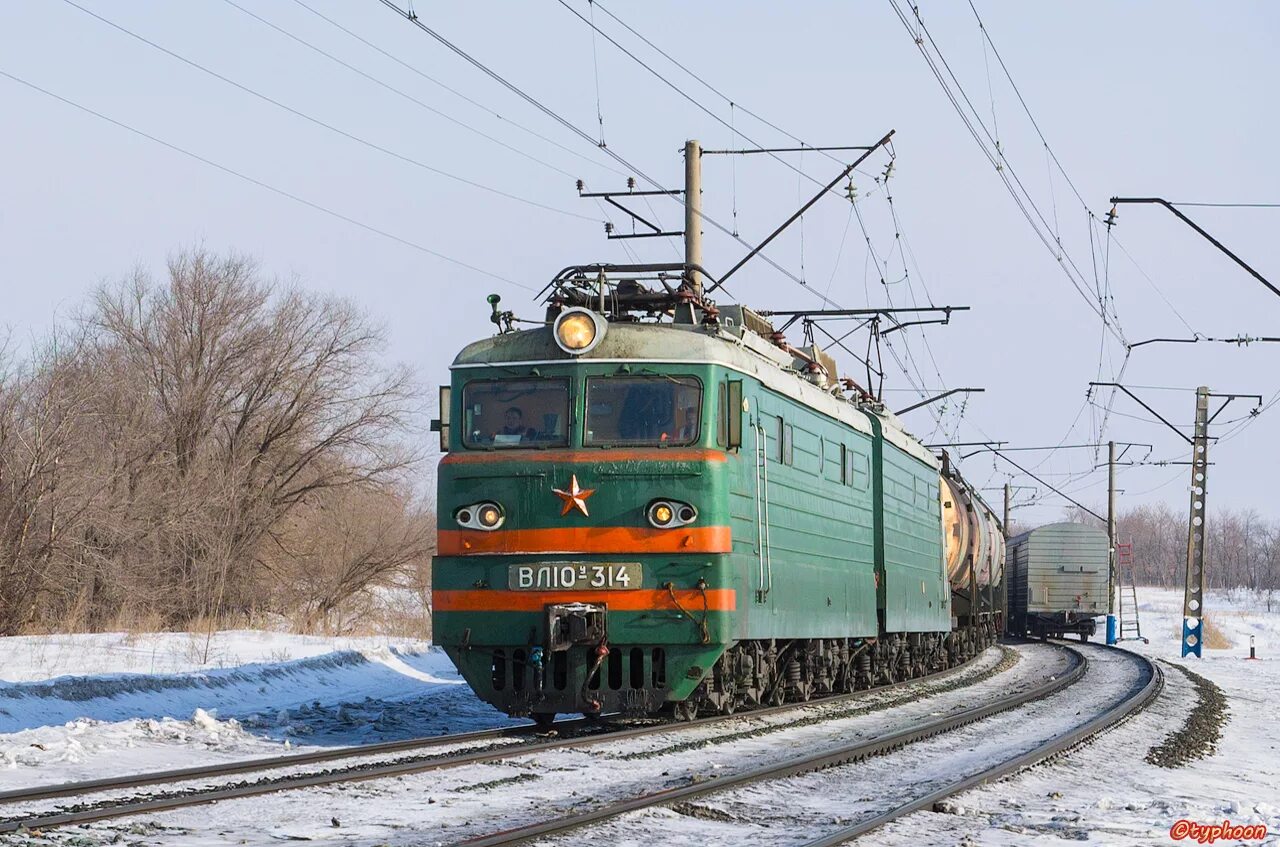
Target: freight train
652	503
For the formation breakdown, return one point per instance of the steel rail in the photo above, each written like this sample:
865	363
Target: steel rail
200	796
265	763
1137	700
791	767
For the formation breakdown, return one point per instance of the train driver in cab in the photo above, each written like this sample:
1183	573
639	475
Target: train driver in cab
689	426
513	428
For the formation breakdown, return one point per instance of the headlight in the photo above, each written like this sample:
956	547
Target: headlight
578	330
665	514
485	516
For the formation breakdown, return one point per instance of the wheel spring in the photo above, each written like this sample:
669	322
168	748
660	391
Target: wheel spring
793	672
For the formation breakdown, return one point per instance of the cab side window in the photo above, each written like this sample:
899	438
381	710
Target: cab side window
722	414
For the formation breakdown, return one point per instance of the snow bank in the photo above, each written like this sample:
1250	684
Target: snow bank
76	707
380	673
39	657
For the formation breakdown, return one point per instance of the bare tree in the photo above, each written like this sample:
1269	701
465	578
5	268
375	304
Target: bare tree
155	460
41	492
259	399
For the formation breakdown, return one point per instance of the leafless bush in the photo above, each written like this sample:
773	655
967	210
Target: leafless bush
350	547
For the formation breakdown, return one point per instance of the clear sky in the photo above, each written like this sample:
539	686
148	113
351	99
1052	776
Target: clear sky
1142	98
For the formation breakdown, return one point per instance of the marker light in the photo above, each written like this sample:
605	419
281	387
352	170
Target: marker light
578	330
662	514
489	516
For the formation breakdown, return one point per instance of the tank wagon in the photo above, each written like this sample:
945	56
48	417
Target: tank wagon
654	504
975	556
1058	577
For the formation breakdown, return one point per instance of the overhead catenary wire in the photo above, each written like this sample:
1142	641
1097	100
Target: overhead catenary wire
455	92
999	161
1154	287
684	94
1027	109
264	185
595	67
899	243
1235	431
734	106
576	130
1105	307
327	126
700	79
398	91
882	267
1046	484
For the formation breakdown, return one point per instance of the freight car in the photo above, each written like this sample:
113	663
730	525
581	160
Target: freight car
975	555
1058	576
654	503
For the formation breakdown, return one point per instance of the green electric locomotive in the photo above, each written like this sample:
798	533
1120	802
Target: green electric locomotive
653	504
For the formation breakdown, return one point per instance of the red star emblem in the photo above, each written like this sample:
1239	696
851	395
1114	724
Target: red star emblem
575	497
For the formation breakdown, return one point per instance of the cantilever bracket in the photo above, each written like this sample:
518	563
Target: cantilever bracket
607	196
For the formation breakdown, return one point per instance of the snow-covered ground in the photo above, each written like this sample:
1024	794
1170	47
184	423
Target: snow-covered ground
41	657
82	706
1106	793
250	692
446	806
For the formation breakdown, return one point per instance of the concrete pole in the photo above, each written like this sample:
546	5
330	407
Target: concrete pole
1193	596
1008	504
693	212
1111	542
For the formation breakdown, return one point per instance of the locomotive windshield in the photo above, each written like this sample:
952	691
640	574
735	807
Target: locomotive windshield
515	413
642	410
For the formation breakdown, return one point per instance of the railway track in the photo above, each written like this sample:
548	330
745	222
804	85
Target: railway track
1138	699
265	763
571	734
1133	701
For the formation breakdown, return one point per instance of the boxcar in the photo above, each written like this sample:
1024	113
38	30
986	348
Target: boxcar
1057	580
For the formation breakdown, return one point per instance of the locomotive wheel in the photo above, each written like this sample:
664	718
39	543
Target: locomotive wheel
544	720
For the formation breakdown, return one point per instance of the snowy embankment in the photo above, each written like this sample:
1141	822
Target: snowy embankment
78	706
1109	792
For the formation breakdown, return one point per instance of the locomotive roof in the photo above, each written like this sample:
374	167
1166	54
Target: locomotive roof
692	343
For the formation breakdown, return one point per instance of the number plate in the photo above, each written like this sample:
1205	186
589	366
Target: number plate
580	576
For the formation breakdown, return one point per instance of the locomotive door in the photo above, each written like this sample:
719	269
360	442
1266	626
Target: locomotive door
764	569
